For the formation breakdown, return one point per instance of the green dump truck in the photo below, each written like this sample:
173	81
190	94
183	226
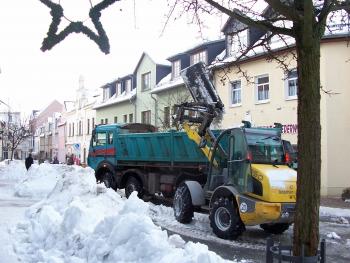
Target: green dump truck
136	157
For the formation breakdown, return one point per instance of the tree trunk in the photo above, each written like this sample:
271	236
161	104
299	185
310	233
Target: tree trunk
306	226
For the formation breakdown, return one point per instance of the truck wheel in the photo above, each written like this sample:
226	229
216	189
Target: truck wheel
277	228
225	220
183	208
133	184
108	180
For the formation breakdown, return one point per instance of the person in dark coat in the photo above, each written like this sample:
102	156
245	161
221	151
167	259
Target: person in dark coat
29	161
55	160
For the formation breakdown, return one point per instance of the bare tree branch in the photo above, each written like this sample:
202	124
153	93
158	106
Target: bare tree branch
288	11
264	25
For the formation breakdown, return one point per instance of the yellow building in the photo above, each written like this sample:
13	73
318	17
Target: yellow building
269	94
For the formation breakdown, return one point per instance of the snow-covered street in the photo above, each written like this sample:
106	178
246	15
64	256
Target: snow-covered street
57	213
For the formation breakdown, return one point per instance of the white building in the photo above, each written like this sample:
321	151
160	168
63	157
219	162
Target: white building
79	122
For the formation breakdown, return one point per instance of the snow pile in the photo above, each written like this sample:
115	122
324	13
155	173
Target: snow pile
12	170
333	235
80	221
39	181
330	211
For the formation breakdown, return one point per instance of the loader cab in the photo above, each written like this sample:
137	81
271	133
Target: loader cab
234	153
230	164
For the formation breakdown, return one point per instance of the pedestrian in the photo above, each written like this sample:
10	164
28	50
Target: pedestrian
70	160
55	160
29	161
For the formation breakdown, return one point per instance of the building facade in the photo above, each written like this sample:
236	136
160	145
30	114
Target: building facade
268	93
45	131
118	102
79	119
171	89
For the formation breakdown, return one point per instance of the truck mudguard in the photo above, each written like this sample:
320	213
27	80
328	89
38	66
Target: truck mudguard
197	193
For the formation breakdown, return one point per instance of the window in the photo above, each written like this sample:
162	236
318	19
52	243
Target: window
115	119
73	130
125	118
166	117
237	43
175	69
128	85
100	139
291	84
119	88
80	129
131	117
93	123
146	81
69	129
106	121
262	88
199	56
146	117
110	138
113	89
106	93
88	126
236	93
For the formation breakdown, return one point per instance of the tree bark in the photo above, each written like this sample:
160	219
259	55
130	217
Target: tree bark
306	228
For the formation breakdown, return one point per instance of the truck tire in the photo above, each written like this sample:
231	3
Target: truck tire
277	228
183	208
224	219
133	184
107	179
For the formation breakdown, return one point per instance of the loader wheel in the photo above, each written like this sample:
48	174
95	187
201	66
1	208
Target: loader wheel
183	208
132	185
277	228
224	219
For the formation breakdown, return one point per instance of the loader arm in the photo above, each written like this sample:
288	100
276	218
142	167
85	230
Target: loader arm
197	116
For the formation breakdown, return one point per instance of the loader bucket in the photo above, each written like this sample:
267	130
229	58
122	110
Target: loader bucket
201	88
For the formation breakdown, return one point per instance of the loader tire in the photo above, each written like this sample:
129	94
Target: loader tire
277	228
183	208
224	219
133	184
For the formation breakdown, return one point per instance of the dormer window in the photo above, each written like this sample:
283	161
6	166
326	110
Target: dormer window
199	56
119	88
106	93
128	85
175	69
237	43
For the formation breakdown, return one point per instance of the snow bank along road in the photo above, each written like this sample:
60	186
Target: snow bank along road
78	221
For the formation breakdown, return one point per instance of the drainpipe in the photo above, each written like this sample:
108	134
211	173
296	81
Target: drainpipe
155	110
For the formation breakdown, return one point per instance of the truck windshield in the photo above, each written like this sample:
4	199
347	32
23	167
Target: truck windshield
265	149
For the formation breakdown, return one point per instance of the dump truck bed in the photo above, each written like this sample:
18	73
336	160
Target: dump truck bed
169	146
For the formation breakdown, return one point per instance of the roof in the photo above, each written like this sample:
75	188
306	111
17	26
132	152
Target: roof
277	44
158	61
196	47
168	83
116	99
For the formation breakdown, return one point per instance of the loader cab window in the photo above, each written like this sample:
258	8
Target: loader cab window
218	173
265	148
239	166
99	139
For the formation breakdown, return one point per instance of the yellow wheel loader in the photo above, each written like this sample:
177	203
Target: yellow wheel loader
248	180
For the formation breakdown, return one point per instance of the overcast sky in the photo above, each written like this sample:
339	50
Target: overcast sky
31	79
